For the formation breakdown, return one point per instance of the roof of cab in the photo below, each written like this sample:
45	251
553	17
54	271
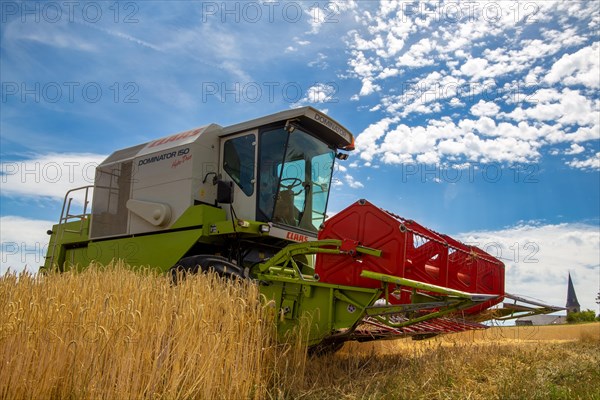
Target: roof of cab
314	120
329	129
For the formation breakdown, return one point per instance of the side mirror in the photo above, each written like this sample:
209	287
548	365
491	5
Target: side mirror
224	192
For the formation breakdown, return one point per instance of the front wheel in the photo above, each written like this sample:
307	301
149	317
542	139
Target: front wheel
205	263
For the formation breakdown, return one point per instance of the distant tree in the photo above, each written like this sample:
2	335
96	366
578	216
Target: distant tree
583	316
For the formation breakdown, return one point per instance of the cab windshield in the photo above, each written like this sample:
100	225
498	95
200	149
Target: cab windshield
295	176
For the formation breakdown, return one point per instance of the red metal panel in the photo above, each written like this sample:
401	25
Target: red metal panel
368	225
409	250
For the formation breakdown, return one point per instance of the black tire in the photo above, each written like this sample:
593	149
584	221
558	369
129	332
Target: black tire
205	263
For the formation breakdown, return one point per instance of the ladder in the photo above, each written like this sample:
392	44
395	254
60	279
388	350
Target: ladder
67	216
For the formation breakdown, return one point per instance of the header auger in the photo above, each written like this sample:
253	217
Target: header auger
249	201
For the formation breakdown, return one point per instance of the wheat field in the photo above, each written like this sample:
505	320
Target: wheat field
111	333
115	333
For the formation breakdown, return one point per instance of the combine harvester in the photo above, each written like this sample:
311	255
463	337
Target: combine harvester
249	201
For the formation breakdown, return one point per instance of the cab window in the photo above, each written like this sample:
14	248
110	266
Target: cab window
238	161
295	176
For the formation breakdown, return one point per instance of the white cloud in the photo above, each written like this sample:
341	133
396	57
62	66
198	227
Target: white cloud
538	259
582	134
581	67
479	140
318	14
57	35
547	116
393	44
388	73
368	87
591	163
48	175
340	6
575	149
405	139
418	55
24	243
533	75
474	59
566	107
555	116
301	42
501	61
125	36
474	67
376	43
336	182
319	62
485	108
366	141
455	102
353	183
320	93
365	70
424	95
429	157
391	157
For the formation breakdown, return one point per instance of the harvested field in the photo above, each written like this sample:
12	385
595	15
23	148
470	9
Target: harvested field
447	369
114	333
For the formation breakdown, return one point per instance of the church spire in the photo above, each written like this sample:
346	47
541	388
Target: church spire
572	303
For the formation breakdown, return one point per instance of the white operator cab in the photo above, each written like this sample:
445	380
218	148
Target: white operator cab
275	169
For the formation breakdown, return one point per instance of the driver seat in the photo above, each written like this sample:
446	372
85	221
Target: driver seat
285	212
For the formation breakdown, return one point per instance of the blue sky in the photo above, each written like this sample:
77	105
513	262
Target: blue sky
477	119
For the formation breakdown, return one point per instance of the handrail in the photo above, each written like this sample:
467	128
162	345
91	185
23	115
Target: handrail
65	217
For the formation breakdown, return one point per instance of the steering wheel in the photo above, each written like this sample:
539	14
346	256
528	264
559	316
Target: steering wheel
295	182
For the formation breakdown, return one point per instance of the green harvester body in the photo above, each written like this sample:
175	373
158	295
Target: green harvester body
249	200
